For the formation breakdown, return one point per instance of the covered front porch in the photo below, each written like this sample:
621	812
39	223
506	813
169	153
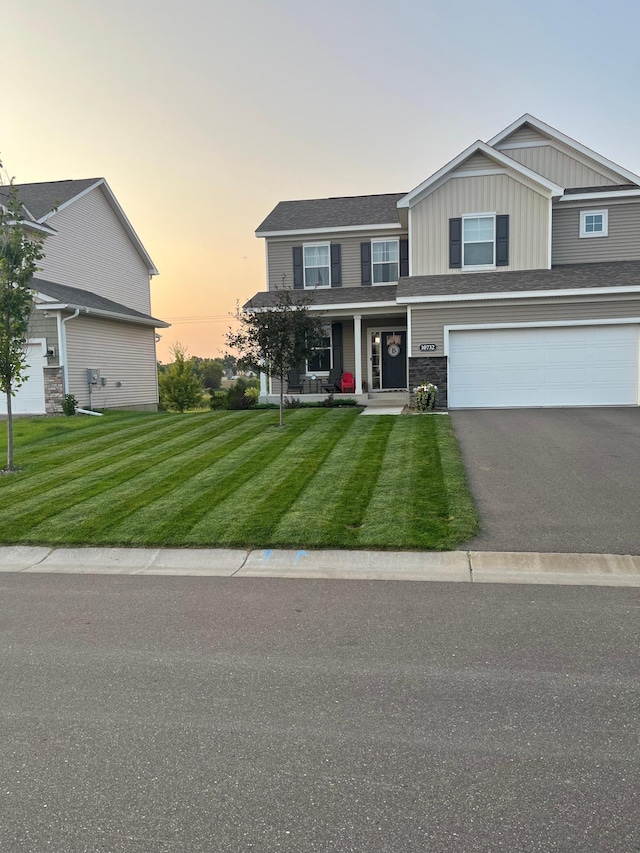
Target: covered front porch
371	346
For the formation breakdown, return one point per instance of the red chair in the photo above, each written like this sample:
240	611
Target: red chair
348	383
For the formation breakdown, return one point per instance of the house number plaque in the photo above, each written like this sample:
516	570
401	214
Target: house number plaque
428	347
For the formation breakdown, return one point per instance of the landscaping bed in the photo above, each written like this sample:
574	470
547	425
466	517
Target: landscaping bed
329	479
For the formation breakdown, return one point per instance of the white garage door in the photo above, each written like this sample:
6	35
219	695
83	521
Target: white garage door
29	398
552	366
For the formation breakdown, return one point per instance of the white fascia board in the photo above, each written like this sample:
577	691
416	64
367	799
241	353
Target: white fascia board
98	312
346	306
519	294
113	201
547	130
605	195
33	226
336	229
425	187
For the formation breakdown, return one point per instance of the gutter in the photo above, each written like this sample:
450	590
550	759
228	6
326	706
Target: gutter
63	348
100	312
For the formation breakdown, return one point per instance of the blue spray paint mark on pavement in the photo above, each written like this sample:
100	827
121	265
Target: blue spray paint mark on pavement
267	553
298	555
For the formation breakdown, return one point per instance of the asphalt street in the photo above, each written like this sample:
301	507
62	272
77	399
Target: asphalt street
559	480
172	714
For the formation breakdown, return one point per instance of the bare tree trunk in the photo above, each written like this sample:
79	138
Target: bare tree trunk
281	398
9	431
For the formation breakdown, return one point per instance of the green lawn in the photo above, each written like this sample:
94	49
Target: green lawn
330	479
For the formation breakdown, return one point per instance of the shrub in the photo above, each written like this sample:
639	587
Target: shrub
293	403
219	401
69	405
426	395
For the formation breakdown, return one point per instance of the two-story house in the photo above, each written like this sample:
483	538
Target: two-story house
510	277
91	333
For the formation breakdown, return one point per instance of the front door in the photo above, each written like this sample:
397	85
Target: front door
388	359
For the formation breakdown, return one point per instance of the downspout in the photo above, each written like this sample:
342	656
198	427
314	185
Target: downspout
63	348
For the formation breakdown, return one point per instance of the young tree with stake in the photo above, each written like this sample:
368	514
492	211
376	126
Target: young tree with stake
276	339
19	256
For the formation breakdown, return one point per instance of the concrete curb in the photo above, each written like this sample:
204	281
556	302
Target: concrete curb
447	566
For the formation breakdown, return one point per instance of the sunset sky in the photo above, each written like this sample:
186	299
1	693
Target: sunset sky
203	114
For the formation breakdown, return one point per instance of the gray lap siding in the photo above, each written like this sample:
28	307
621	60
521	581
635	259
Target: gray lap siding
280	255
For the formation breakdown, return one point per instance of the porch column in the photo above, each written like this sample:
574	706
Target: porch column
263	387
357	344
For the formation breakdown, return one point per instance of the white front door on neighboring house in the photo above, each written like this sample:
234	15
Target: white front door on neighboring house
29	398
579	365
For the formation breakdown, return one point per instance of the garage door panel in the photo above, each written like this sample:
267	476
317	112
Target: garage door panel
554	366
29	397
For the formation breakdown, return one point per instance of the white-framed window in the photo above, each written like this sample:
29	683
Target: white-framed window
384	261
321	360
316	259
479	241
594	223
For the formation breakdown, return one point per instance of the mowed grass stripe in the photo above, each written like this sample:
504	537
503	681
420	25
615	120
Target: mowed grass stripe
128	438
88	521
168	519
57	446
309	521
233	499
333	505
281	483
76	470
408	495
61	497
464	521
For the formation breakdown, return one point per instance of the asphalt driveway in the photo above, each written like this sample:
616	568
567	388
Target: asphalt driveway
561	480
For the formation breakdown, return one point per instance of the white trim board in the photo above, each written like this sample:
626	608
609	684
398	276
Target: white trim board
334	229
522	294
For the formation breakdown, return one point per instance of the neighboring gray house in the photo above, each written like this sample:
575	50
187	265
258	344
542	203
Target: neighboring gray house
510	277
92	304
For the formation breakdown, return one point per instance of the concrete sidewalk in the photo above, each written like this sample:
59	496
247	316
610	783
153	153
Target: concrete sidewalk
450	566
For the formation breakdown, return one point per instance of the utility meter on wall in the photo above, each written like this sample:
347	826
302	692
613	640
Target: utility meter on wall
93	376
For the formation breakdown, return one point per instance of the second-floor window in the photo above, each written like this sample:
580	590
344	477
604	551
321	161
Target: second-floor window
478	241
594	223
317	265
384	261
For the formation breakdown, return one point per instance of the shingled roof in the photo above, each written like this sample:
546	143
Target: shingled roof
75	297
564	277
332	213
41	198
329	296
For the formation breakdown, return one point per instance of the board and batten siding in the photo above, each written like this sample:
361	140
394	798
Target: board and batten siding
92	251
427	325
528	222
563	168
122	352
621	244
280	255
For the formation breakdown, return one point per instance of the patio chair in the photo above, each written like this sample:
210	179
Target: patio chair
332	384
295	383
348	384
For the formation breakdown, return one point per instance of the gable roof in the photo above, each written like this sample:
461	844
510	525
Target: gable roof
496	156
44	200
552	133
330	214
64	296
